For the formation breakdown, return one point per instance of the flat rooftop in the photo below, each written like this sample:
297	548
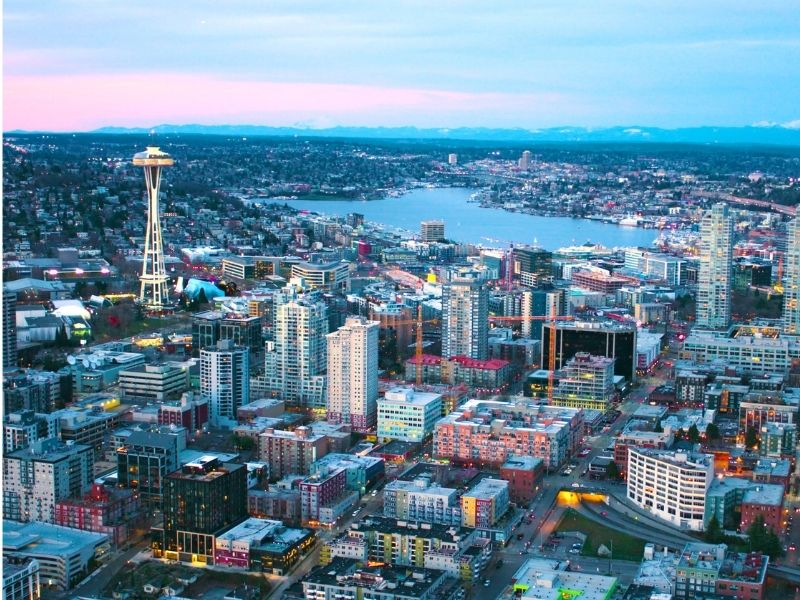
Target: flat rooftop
46	539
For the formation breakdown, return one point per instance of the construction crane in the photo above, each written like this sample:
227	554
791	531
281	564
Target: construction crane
418	345
551	375
778	287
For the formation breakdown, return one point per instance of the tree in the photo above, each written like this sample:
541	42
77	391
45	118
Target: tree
751	437
712	432
693	434
612	471
242	442
714	533
659	428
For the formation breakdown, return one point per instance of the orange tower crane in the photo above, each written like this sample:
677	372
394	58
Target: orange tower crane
551	376
418	322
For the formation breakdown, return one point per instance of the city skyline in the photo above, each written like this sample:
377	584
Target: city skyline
411	65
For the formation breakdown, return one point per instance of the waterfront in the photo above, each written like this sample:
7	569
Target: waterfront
467	222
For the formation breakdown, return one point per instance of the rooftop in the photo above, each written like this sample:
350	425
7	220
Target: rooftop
264	533
343	572
46	539
488	489
544	579
48	450
409	396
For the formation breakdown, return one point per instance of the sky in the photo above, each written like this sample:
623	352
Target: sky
75	65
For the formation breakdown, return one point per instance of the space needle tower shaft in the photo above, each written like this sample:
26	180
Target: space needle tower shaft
154	293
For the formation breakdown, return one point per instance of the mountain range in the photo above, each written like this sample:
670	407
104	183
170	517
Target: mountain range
771	134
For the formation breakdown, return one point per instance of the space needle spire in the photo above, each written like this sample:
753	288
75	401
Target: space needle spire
154	294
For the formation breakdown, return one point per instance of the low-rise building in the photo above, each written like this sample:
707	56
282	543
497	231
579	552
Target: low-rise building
102	510
65	555
711	570
524	475
153	383
484	505
323	491
361	471
549	579
421	500
346	578
262	545
406	415
275	503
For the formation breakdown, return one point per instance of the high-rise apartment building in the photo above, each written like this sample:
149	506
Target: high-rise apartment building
145	461
791	279
353	374
296	359
715	274
9	329
465	318
225	381
38	476
431	231
525	160
200	501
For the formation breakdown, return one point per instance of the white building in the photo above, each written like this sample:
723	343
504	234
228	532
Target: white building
671	485
715	274
64	554
791	279
421	500
330	277
406	415
153	383
296	359
353	374
38	476
20	579
746	349
224	381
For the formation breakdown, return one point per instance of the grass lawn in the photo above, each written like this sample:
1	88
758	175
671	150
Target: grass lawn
626	547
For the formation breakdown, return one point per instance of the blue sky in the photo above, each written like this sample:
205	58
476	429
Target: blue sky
431	64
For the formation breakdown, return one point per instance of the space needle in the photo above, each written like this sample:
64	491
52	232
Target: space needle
154	293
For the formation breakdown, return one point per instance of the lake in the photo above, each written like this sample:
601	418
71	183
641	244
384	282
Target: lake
469	223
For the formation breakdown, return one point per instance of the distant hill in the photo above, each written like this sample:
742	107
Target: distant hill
769	135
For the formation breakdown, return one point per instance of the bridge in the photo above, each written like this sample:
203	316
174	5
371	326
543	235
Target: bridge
599	505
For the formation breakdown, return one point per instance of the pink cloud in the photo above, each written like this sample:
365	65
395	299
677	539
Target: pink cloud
81	102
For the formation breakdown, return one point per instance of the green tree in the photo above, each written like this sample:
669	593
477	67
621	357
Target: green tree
712	432
242	442
757	533
612	471
693	434
658	427
714	533
751	437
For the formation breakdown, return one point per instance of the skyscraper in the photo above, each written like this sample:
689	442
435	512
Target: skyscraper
353	374
154	293
715	273
465	318
296	359
791	279
225	381
525	160
9	329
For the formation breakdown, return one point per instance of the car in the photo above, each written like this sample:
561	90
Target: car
577	546
499	563
792	547
520	536
603	513
574	551
374	493
575	484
